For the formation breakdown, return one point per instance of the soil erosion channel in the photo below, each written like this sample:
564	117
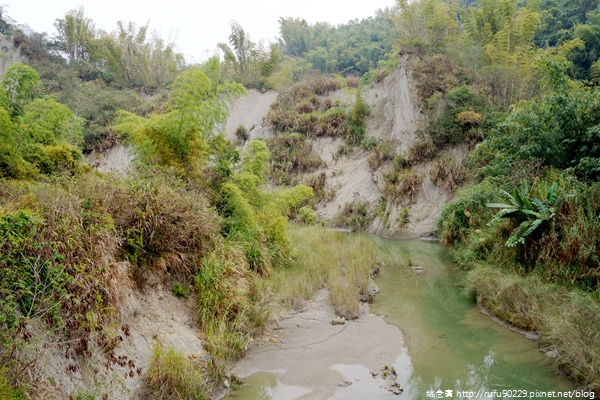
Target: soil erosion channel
446	343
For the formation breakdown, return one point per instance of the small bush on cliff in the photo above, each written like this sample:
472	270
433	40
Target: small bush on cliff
291	153
355	216
383	151
447	173
402	184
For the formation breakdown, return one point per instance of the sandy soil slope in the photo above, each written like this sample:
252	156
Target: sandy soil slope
395	115
150	316
250	111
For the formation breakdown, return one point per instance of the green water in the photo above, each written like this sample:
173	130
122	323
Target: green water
451	344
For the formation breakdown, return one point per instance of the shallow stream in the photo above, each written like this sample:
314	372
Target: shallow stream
450	344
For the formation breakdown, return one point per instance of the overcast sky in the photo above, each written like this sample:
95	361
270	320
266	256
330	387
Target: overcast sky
196	26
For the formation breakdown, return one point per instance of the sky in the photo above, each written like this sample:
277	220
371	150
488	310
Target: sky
196	26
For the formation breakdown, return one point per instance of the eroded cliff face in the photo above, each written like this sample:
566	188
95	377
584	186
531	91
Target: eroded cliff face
395	115
10	53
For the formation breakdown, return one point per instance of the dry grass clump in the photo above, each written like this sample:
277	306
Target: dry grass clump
242	134
291	153
317	182
447	173
575	334
61	272
300	109
324	84
352	81
434	74
424	149
402	184
355	215
382	152
165	228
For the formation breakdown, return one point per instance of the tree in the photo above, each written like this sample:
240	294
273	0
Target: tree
427	24
589	33
20	84
296	36
179	137
243	47
506	30
76	34
131	58
48	122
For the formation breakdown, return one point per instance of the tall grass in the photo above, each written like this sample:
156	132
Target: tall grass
174	376
339	261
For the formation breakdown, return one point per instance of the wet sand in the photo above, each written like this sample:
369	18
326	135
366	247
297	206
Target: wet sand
305	356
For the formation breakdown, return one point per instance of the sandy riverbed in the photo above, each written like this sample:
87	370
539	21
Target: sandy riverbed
305	356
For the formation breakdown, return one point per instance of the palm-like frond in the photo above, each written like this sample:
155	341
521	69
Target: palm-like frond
533	210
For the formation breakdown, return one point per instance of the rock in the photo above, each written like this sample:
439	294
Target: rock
417	270
338	321
375	272
395	388
370	293
429	237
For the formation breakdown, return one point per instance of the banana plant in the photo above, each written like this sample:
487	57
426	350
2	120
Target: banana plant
532	211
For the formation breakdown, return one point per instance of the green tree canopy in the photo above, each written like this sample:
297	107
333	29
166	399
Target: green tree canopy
19	83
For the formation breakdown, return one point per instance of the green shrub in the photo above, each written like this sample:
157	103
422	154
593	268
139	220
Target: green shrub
307	216
179	290
31	284
6	390
222	289
369	142
460	218
358	114
403	217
